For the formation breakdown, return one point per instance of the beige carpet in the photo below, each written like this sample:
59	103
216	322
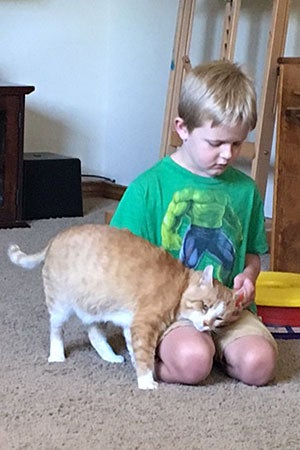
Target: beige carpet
86	403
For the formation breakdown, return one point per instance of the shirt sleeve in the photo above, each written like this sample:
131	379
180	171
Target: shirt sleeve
132	211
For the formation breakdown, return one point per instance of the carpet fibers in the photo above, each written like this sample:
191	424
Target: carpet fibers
86	403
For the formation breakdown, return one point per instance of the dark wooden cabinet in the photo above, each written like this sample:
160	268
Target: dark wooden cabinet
12	103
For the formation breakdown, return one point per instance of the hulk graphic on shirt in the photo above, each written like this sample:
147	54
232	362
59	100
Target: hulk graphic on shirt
202	228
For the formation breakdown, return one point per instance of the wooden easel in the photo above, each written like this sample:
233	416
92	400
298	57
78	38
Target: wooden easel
260	150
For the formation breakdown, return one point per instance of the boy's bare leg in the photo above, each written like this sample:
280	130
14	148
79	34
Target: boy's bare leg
251	359
185	355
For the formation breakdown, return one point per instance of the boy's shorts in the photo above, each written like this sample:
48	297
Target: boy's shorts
248	324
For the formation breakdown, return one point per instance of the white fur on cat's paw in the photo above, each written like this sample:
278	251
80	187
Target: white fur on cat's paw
105	351
56	351
13	253
56	358
146	381
12	249
114	358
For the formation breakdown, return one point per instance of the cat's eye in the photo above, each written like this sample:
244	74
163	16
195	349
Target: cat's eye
205	308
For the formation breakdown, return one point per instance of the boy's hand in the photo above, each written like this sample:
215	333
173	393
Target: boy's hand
247	279
242	281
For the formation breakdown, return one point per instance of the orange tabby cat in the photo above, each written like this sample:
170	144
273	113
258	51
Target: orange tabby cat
101	274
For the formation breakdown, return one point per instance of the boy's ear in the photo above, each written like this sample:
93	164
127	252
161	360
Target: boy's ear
181	128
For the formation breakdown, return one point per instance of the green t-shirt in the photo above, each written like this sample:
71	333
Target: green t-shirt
197	219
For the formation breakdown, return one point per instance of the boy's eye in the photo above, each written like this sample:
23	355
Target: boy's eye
215	144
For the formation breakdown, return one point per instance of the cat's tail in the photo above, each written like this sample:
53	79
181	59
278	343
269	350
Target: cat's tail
23	260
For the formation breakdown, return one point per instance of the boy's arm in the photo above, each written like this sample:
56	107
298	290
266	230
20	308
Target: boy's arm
247	278
256	245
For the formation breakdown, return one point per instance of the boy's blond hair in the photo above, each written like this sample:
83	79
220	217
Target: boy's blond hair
218	91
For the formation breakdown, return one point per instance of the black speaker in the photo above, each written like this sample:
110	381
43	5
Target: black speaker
51	186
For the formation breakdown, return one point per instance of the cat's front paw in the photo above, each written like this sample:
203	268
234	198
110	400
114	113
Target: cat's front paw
56	358
146	381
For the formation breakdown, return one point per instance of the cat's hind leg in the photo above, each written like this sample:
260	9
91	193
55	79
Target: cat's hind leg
102	347
57	319
127	336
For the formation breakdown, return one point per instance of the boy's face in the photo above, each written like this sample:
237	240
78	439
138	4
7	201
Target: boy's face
207	150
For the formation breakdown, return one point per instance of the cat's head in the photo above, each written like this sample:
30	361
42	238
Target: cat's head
208	303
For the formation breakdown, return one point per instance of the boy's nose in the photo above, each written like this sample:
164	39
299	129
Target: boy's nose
226	151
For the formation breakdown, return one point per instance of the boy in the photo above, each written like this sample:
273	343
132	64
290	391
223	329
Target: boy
203	211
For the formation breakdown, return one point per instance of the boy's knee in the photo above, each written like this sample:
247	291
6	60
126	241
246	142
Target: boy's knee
260	367
194	364
185	356
252	364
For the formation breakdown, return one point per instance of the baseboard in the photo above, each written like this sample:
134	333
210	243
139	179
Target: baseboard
102	188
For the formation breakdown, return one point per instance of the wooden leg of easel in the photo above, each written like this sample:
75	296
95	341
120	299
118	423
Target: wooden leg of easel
266	118
179	62
231	19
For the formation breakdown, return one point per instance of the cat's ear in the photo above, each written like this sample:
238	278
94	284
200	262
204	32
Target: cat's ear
207	276
239	297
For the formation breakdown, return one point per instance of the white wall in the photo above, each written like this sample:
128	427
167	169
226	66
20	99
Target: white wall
101	69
